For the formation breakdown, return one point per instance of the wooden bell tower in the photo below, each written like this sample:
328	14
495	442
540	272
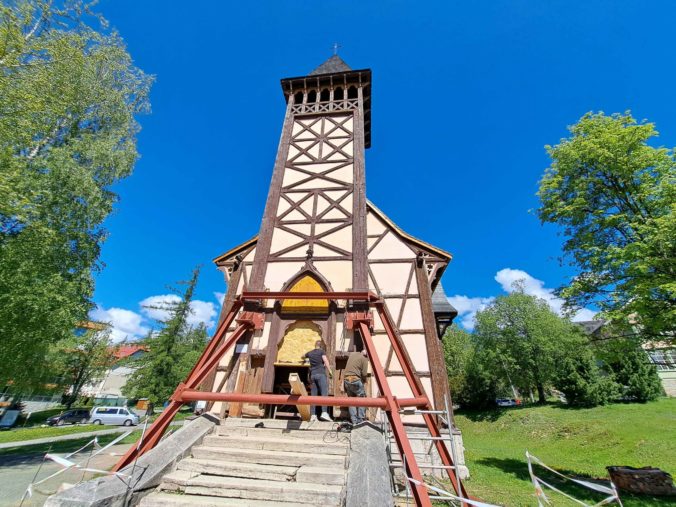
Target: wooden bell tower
319	230
327	265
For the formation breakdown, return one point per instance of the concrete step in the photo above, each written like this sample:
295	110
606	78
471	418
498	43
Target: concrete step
251	489
279	424
322	435
268	458
173	500
321	475
238	469
277	444
176	480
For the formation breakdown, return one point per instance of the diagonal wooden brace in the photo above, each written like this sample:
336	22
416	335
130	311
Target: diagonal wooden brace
209	359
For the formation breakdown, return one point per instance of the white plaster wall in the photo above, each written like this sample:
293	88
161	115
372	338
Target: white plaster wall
391	278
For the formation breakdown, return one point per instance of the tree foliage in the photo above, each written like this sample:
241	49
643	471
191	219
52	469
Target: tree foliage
481	385
172	351
523	340
614	195
580	379
69	93
458	351
635	375
81	360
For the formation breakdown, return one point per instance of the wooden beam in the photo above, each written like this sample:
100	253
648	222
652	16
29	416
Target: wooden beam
297	387
236	408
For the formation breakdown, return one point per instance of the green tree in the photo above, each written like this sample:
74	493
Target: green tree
458	351
523	340
614	195
81	360
635	375
580	379
68	97
481	386
172	351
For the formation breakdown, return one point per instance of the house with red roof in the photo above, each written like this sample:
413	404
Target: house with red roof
108	391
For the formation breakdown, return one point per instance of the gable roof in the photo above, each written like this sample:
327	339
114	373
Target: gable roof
129	350
234	251
333	65
412	239
438	251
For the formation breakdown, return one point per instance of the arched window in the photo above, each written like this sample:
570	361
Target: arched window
352	93
298	98
312	97
338	94
306	283
325	96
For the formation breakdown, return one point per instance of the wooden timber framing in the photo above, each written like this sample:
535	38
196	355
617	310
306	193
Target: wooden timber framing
435	352
267	225
320	140
359	250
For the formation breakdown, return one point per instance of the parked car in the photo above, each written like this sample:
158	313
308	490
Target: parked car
73	416
507	402
113	415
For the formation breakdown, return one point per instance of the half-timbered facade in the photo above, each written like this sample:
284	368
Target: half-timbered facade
320	234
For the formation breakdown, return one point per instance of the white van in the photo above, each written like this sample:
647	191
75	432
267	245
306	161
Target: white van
113	415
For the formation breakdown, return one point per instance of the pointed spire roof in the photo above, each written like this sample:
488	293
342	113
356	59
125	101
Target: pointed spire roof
331	66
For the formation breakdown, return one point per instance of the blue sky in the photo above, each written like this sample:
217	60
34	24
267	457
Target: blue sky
465	96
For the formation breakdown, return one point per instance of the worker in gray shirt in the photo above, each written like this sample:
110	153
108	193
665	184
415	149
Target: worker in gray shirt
354	376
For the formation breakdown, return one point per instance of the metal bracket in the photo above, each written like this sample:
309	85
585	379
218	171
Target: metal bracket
178	393
254	319
353	319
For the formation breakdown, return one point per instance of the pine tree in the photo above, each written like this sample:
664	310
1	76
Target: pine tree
637	376
173	349
581	380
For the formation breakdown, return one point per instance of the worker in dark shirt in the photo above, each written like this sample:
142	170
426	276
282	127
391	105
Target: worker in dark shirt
354	374
319	364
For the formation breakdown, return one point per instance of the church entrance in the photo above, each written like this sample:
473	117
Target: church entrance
300	337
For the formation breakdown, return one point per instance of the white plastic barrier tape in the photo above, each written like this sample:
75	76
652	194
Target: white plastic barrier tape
67	464
541	496
451	496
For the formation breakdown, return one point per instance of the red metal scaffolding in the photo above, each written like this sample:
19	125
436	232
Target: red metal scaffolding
361	321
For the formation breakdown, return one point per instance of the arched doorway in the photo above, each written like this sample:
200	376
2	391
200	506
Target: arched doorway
299	338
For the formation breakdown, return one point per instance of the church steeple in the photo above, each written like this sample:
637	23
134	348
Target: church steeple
333	65
333	86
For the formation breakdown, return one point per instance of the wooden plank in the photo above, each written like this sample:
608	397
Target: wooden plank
297	387
236	408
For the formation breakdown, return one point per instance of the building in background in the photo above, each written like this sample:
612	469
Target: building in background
108	391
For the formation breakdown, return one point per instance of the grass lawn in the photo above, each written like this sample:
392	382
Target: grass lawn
579	442
32	433
65	446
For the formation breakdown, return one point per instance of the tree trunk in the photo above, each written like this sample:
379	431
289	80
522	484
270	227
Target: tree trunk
542	398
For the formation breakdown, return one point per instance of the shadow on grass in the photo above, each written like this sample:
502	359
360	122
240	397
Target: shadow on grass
490	414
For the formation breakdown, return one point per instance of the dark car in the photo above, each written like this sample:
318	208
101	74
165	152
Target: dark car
74	416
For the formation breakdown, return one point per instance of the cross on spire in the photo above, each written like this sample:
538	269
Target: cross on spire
335	48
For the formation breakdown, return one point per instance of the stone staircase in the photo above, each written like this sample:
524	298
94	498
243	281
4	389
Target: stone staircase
286	463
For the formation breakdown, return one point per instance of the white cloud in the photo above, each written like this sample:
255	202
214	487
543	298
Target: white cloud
126	325
157	308
132	326
467	308
220	297
202	312
507	277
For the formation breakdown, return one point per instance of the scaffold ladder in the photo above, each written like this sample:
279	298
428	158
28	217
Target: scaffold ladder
361	321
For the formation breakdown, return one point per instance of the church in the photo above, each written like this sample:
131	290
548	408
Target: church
327	267
320	233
